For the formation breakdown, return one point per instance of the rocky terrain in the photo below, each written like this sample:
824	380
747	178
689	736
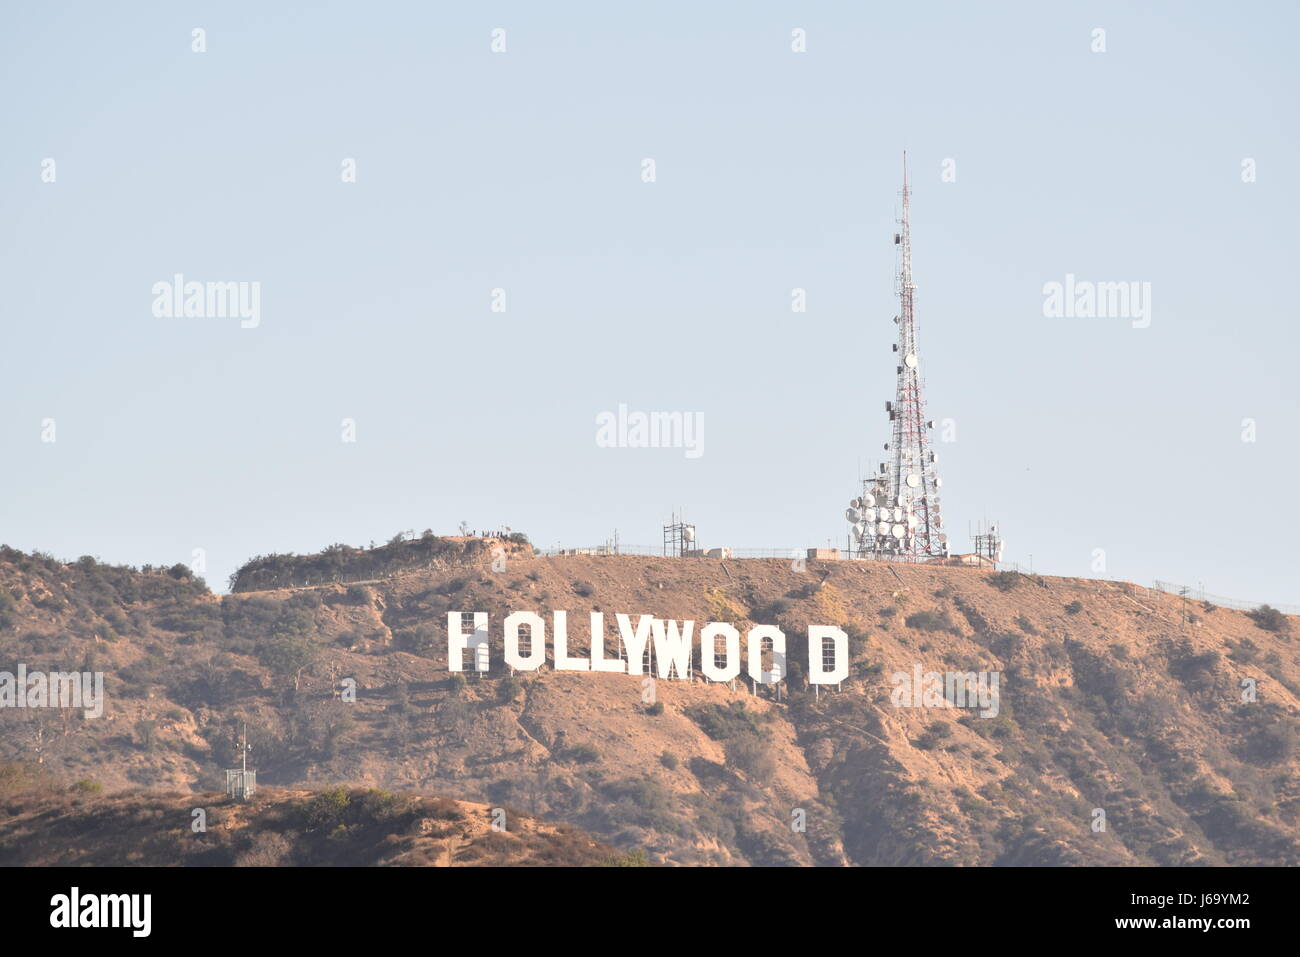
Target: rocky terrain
1124	732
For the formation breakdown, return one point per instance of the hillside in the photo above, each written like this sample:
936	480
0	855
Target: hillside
1112	698
340	564
333	827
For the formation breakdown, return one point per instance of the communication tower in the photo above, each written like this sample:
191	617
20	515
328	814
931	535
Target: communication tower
241	783
897	514
679	537
988	543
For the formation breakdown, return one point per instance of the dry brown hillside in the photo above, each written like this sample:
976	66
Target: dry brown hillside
332	827
1112	698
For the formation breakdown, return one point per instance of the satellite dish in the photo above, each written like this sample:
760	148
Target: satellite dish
868	530
688	533
852	515
868	514
869	500
938	483
913	480
910	360
856	503
898	514
899	531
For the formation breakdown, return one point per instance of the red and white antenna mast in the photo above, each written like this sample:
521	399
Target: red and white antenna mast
898	513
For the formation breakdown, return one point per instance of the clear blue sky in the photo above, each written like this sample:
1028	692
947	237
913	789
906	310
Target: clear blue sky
522	171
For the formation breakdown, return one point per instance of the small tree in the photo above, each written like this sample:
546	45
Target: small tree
288	656
509	688
147	732
1270	619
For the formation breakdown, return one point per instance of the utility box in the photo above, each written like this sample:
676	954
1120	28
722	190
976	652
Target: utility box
240	785
825	554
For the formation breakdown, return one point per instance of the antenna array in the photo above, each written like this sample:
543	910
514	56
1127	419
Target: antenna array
897	515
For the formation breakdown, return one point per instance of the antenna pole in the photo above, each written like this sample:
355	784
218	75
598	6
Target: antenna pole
912	470
897	517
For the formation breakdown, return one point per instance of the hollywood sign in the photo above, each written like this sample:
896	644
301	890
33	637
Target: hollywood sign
672	642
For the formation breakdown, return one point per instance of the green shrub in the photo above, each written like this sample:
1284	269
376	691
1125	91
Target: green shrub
1192	669
935	732
419	640
327	809
1270	619
929	621
18	777
750	752
1245	652
579	754
1004	581
630	859
383	807
508	689
721	722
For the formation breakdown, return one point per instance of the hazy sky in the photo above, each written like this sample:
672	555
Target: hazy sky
522	171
